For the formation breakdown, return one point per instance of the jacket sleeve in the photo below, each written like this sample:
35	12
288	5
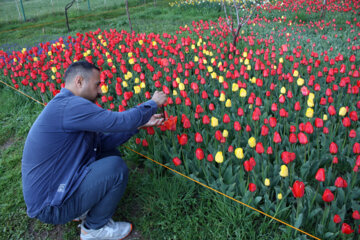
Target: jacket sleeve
82	115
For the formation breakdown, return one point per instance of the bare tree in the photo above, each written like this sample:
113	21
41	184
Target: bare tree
128	14
323	9
245	6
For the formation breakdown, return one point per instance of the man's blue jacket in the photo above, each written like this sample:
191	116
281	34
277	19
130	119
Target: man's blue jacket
65	139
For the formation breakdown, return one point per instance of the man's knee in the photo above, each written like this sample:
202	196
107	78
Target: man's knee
114	166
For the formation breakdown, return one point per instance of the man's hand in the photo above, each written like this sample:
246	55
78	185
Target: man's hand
159	97
155	120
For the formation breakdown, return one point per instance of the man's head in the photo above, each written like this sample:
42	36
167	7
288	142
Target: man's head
83	79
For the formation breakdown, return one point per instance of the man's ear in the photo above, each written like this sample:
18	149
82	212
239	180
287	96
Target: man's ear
79	81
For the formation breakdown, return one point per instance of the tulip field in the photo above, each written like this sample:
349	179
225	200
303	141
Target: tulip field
272	122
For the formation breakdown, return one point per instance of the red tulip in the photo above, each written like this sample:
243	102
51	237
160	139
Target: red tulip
346	122
340	182
199	153
210	157
320	175
319	123
226	118
248	166
356	215
252	187
264	130
346	229
356	148
333	148
309	128
205	119
328	196
248	128
259	148
335	160
277	137
272	122
325	130
298	189
176	161
297	106
237	126
352	133
183	139
170	123
337	218
198	138
331	110
353	116
145	143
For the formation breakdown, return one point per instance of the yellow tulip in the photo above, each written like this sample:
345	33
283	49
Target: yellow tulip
253	80
246	62
221	79
141	42
213	75
174	92
178	80
309	113
244	54
284	171
342	111
142	85
214	121
222	97
311	96
53	69
104	88
267	182
219	158
210	69
283	90
248	68
325	117
137	89
300	82
136	80
281	60
228	103
310	103
181	86
225	133
239	153
279	196
296	73
242	92
125	84
235	87
252	142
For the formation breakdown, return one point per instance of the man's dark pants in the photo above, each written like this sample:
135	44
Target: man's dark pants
100	193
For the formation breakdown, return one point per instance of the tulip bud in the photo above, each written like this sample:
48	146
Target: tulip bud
267	182
279	196
239	153
284	172
252	142
219	158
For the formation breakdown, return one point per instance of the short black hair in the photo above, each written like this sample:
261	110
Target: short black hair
83	68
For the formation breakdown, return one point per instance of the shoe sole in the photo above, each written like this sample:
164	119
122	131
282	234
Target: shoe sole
131	228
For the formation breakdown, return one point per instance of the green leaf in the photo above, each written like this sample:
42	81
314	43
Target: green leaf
299	221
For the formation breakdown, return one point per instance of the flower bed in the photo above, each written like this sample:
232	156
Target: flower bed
272	122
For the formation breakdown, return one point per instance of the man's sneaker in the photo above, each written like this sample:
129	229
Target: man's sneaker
111	231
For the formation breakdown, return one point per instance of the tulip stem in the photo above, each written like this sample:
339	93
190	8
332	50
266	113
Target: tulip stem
312	202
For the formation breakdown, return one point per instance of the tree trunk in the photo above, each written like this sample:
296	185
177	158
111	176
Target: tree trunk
128	15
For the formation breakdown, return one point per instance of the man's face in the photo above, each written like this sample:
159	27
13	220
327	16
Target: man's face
91	87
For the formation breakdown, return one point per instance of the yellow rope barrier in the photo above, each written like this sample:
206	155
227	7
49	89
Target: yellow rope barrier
185	176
